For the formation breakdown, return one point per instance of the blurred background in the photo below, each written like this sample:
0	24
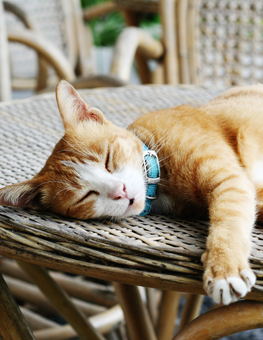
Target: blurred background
105	31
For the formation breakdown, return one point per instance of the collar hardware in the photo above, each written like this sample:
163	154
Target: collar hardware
153	180
152	177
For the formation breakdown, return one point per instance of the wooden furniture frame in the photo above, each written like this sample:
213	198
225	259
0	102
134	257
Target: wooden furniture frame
78	52
5	84
220	42
168	71
152	251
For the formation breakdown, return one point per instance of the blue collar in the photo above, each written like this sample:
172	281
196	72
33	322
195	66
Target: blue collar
152	175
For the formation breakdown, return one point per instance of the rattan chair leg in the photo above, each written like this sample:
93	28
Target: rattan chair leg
99	294
152	304
136	315
192	36
5	84
103	322
12	323
168	313
168	10
29	292
191	309
131	18
42	73
224	321
61	301
26	291
36	321
134	41
182	41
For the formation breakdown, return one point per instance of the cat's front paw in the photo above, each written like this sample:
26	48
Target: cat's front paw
232	288
225	284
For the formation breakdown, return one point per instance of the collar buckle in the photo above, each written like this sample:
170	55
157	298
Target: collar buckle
152	177
151	167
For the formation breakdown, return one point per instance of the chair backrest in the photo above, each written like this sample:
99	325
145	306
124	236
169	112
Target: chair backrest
60	22
5	83
225	41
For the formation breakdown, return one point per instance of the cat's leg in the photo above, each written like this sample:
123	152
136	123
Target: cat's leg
227	275
259	191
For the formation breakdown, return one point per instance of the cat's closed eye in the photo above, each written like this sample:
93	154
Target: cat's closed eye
107	162
88	194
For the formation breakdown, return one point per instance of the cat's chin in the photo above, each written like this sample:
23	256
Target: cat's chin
131	212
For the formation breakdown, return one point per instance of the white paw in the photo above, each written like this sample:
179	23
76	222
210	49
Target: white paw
231	289
249	278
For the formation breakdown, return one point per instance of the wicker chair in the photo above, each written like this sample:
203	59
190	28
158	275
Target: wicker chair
214	42
5	84
220	42
56	31
165	53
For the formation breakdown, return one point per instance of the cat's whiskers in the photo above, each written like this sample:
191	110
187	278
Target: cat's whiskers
161	160
67	179
50	182
81	153
138	135
77	153
151	136
160	143
61	191
164	180
103	218
77	142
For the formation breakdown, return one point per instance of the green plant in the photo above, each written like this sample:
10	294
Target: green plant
106	29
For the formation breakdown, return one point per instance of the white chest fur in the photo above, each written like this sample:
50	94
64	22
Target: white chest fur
257	172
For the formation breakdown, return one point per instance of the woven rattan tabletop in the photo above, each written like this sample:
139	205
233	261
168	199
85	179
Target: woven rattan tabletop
154	251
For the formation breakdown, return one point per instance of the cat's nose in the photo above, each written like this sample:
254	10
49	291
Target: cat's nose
118	193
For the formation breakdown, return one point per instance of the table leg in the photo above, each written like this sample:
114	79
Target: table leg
235	318
136	315
191	309
12	323
61	301
153	300
168	314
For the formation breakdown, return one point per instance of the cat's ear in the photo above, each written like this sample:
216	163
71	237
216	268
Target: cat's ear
72	107
25	194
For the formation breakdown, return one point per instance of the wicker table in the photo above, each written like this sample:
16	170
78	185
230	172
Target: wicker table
152	251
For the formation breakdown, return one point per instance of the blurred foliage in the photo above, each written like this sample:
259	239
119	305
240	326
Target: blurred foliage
106	29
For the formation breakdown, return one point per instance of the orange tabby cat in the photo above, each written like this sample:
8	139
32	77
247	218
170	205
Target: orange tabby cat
211	161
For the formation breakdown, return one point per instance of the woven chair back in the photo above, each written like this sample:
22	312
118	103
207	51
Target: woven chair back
60	22
48	18
225	42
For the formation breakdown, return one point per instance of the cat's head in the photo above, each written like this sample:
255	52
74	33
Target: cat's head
94	171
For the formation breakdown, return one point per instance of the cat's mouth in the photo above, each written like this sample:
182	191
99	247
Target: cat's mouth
131	201
135	205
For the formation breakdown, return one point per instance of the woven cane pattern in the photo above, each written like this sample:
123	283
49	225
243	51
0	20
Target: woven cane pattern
47	17
158	249
230	42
